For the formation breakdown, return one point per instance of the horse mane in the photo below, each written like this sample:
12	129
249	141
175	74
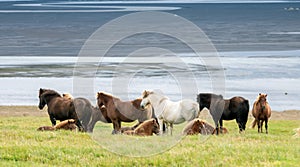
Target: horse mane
49	92
146	93
258	98
66	124
188	129
147	122
209	95
136	103
67	96
107	95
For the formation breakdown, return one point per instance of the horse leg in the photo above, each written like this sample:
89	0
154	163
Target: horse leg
52	119
258	126
161	126
261	126
266	125
84	124
221	126
79	125
115	126
217	128
91	125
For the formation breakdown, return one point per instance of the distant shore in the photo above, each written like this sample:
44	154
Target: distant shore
24	111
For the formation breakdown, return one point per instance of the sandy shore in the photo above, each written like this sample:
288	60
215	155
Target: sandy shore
23	111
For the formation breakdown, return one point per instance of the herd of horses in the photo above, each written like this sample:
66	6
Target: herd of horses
155	113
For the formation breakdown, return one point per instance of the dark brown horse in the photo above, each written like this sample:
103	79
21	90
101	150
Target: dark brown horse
261	111
122	111
225	109
59	108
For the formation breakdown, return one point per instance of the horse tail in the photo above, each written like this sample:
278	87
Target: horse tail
246	102
254	122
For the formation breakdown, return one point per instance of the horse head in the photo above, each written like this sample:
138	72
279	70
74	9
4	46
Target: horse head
145	100
262	99
45	96
199	125
42	102
100	99
155	128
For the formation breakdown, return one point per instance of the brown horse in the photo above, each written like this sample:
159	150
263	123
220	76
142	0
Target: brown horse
193	127
65	125
147	128
122	111
198	126
261	111
59	108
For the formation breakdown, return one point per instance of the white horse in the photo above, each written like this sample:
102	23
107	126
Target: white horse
168	111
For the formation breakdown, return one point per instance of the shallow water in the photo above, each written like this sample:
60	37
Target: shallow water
245	74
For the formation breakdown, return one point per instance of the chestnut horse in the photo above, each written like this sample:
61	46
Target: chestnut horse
59	108
68	124
147	128
261	111
225	109
122	111
198	126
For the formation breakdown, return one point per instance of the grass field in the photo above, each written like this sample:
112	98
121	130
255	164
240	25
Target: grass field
22	145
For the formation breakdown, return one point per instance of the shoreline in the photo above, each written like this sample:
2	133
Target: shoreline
26	111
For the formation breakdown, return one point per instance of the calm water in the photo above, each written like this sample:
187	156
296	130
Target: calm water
258	45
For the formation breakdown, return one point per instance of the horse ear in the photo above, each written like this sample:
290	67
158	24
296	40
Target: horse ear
266	95
98	94
41	90
144	94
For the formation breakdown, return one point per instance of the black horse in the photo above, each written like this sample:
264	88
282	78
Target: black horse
225	109
59	108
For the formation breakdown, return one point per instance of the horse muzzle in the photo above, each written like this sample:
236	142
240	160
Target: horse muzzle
142	106
41	107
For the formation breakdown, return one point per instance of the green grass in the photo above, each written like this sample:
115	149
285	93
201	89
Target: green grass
22	145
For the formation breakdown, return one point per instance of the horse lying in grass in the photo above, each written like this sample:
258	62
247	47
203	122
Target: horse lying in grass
68	124
118	111
199	126
170	112
147	128
59	108
225	109
261	111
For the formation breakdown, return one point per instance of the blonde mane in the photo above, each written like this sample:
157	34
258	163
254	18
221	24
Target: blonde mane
67	96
